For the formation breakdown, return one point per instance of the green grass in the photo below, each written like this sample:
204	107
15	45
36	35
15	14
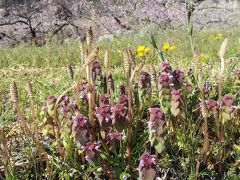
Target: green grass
45	66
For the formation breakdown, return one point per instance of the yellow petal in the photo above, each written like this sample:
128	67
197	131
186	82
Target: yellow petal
147	49
173	47
140	48
140	54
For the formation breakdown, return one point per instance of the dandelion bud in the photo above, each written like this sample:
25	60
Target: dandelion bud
147	167
80	129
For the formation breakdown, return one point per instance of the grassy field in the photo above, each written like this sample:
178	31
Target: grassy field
46	68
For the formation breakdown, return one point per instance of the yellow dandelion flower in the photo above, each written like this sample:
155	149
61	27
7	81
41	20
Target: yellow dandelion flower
172	47
140	48
140	54
165	47
217	36
147	49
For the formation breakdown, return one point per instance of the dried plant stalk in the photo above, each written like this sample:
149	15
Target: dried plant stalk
89	36
126	63
222	52
130	56
153	74
5	154
14	99
106	59
137	69
127	69
223	48
91	57
70	71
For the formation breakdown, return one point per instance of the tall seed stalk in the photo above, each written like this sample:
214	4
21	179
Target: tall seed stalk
222	52
8	166
15	101
127	69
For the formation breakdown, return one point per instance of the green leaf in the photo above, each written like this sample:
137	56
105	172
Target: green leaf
160	145
175	112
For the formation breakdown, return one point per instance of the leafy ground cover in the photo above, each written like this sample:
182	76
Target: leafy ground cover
142	105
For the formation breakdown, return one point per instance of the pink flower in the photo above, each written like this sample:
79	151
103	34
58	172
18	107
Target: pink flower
164	80
104	115
96	69
165	67
91	148
147	166
80	129
212	105
103	100
156	116
227	100
144	80
123	100
115	136
120	116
